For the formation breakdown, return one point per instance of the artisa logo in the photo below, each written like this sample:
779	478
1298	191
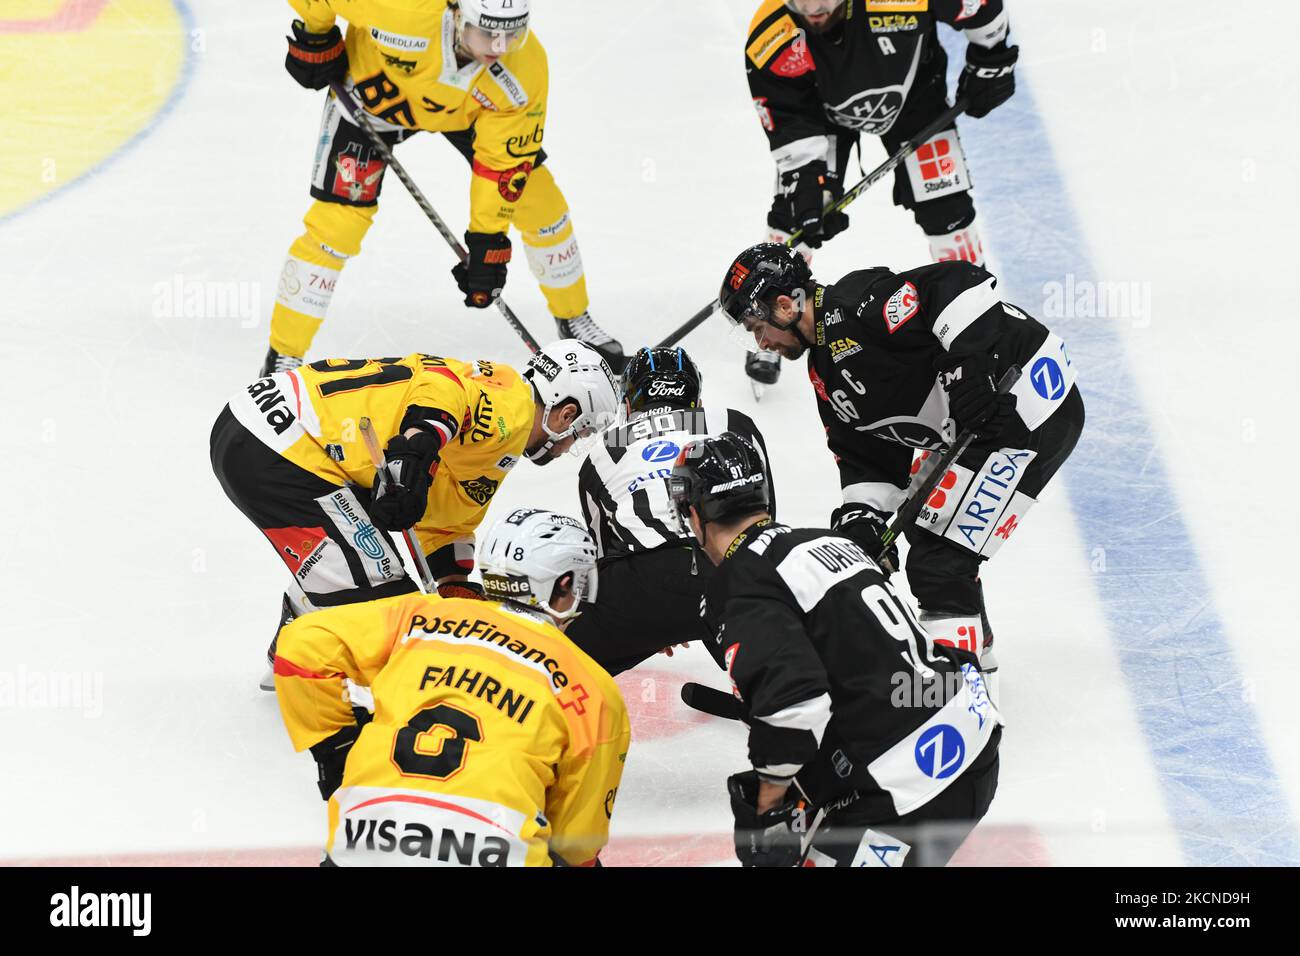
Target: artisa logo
76	908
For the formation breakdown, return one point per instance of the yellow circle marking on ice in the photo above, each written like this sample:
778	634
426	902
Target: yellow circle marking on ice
80	79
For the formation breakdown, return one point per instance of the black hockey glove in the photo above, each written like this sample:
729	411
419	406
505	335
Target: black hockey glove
804	194
773	838
973	401
401	490
866	526
316	60
331	757
483	275
988	79
763	367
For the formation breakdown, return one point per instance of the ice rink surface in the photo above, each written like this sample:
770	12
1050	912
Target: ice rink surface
1135	195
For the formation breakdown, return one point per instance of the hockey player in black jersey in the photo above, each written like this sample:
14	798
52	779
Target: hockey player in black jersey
870	745
651	579
823	72
907	361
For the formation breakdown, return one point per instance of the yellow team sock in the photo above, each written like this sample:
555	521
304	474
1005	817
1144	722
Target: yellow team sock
543	220
334	234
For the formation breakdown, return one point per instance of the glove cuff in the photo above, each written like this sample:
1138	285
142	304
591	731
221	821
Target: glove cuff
315	47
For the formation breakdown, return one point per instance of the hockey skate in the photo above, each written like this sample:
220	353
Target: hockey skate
764	369
275	362
585	329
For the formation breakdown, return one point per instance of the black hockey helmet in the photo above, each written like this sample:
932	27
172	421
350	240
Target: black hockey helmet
721	477
659	377
757	276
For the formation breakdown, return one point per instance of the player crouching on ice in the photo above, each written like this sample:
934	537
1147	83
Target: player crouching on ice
495	742
290	452
645	551
870	745
907	361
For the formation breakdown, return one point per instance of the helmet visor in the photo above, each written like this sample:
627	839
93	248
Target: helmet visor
480	42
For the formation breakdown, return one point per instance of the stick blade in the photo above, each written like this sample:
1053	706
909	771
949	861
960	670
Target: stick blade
715	703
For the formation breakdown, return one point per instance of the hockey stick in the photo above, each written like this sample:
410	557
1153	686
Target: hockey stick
381	474
876	175
360	119
715	703
906	516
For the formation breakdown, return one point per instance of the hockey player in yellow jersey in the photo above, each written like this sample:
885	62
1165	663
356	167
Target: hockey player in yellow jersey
289	452
471	70
495	740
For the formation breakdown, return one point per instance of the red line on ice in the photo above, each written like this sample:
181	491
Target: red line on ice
73	17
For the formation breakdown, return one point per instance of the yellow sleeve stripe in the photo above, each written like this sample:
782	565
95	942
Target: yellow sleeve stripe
897	6
767	43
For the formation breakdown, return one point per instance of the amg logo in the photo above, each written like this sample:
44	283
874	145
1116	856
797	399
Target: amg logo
417	840
75	908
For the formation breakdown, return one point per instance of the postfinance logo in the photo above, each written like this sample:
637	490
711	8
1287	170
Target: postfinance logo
82	78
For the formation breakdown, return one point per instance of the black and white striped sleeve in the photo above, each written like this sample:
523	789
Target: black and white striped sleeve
960	304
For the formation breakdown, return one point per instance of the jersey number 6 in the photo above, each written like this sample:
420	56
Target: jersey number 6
414	762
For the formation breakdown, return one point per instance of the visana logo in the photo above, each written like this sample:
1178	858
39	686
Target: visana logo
418	840
75	908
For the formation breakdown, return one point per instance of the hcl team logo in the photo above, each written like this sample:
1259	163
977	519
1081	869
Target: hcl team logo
1048	379
940	751
660	451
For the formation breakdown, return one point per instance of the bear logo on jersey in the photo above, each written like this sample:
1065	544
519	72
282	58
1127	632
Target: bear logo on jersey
481	489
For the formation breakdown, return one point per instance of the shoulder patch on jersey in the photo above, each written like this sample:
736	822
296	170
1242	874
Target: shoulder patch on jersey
901	307
794	60
766	44
897	6
843	348
399	41
507	81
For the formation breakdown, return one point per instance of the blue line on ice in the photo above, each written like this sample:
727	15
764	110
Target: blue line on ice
177	94
1221	791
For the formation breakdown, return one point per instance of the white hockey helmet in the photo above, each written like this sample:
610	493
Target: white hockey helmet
525	553
492	28
571	370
